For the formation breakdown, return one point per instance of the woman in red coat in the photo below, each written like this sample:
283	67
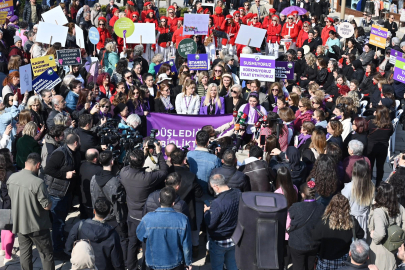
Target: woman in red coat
325	31
231	29
219	18
129	9
171	19
274	31
163	47
267	20
255	21
146	7
290	30
236	18
102	30
116	13
303	35
135	17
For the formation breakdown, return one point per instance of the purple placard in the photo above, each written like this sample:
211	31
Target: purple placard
197	61
394	54
399	70
182	129
251	62
285	70
378	32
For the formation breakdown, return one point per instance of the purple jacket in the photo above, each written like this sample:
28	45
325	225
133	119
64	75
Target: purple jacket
204	109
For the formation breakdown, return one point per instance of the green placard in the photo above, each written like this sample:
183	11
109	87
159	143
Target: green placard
124	24
187	46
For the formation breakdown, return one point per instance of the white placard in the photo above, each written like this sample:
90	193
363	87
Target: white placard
146	30
79	37
259	67
48	30
195	24
25	78
55	16
345	30
256	36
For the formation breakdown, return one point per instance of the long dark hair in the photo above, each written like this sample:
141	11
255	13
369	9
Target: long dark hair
7	155
387	197
3	168
397	180
362	188
325	175
382	118
284	181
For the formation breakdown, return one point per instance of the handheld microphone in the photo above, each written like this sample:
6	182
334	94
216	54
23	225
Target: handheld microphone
235	114
237	127
243	119
238	117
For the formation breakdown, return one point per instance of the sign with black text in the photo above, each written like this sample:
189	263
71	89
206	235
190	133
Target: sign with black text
69	57
47	80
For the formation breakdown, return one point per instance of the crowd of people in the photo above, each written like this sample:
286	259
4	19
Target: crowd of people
315	139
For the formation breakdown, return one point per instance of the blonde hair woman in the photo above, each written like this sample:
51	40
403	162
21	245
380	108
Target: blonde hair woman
310	73
27	144
110	57
212	104
156	60
188	102
202	83
225	84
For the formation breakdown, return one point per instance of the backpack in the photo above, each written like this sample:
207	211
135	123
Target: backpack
395	237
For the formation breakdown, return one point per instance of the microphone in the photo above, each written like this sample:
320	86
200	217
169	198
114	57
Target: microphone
243	119
237	127
238	117
235	114
264	117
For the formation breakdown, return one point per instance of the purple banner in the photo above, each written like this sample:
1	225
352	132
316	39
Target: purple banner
197	61
378	32
399	71
182	129
284	70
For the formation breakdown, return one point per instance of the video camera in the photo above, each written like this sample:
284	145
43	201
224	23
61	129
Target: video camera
152	140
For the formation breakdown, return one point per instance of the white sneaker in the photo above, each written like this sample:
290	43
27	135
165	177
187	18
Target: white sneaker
2	252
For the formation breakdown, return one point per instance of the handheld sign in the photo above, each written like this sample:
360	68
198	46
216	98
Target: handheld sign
378	36
50	33
394	55
399	71
47	80
172	66
3	16
257	67
79	37
345	30
195	24
25	78
144	30
94	35
187	46
124	24
55	16
69	57
285	70
40	64
8	6
250	36
198	61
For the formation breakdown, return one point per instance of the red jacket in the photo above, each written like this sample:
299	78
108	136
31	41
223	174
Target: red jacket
300	24
113	20
178	36
152	21
274	33
163	30
143	15
290	30
229	29
325	33
218	20
111	89
257	25
172	23
301	118
266	22
104	34
302	36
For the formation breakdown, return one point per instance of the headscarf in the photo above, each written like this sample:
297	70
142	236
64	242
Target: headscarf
294	158
83	256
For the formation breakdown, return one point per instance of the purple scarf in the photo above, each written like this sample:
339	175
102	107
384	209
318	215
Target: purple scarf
302	139
246	111
328	136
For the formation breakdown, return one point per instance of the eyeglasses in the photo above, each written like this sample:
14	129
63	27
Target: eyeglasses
105	106
274	89
128	77
101	24
218	70
290	18
300	106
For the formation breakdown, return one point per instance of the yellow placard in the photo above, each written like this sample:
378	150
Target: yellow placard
40	64
378	36
3	16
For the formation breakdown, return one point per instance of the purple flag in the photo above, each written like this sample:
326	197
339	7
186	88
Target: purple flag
285	70
182	129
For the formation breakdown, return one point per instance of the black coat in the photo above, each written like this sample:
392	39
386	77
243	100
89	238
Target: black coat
392	27
297	176
88	139
189	190
366	86
234	178
350	266
229	107
259	174
153	203
312	45
104	240
87	171
160	107
27	13
316	9
310	72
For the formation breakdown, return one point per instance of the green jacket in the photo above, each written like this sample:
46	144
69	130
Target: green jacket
110	61
25	146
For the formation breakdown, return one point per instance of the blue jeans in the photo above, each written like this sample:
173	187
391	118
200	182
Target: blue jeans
220	255
60	209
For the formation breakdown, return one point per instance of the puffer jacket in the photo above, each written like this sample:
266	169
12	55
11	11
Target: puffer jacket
259	174
274	33
234	178
49	146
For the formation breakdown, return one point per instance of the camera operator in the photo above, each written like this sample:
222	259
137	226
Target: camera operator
88	138
151	157
138	185
201	162
168	151
106	184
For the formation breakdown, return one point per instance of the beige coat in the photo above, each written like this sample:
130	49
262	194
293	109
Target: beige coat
379	223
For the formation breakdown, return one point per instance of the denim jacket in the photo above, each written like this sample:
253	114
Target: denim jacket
202	163
172	228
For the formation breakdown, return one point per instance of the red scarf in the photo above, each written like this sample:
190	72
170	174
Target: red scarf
367	73
329	70
338	85
374	84
319	68
316	54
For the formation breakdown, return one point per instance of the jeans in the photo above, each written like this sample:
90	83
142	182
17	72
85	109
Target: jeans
220	256
7	242
42	240
60	209
133	244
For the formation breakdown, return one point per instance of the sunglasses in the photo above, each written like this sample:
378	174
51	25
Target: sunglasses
105	106
218	70
290	18
364	14
101	24
274	20
128	77
254	18
275	89
233	91
246	5
300	106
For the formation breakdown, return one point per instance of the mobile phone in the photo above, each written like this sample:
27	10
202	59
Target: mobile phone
207	203
262	139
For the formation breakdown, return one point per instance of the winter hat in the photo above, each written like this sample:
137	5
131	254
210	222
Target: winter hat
16	39
119	108
272	10
147	3
229	16
130	3
13	18
387	102
218	10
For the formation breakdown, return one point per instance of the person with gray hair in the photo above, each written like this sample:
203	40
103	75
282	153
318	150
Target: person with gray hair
402	46
355	149
133	121
221	216
58	106
395	41
228	59
138	51
235	99
359	251
46	99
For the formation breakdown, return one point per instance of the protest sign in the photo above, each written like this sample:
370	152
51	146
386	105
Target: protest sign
79	37
195	24
3	16
94	70
181	129
394	55
50	33
187	46
284	70
40	64
94	35
8	6
69	57
144	30
250	36
378	36
198	61
25	78
124	26
399	70
47	80
172	66
345	30
257	67
55	16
